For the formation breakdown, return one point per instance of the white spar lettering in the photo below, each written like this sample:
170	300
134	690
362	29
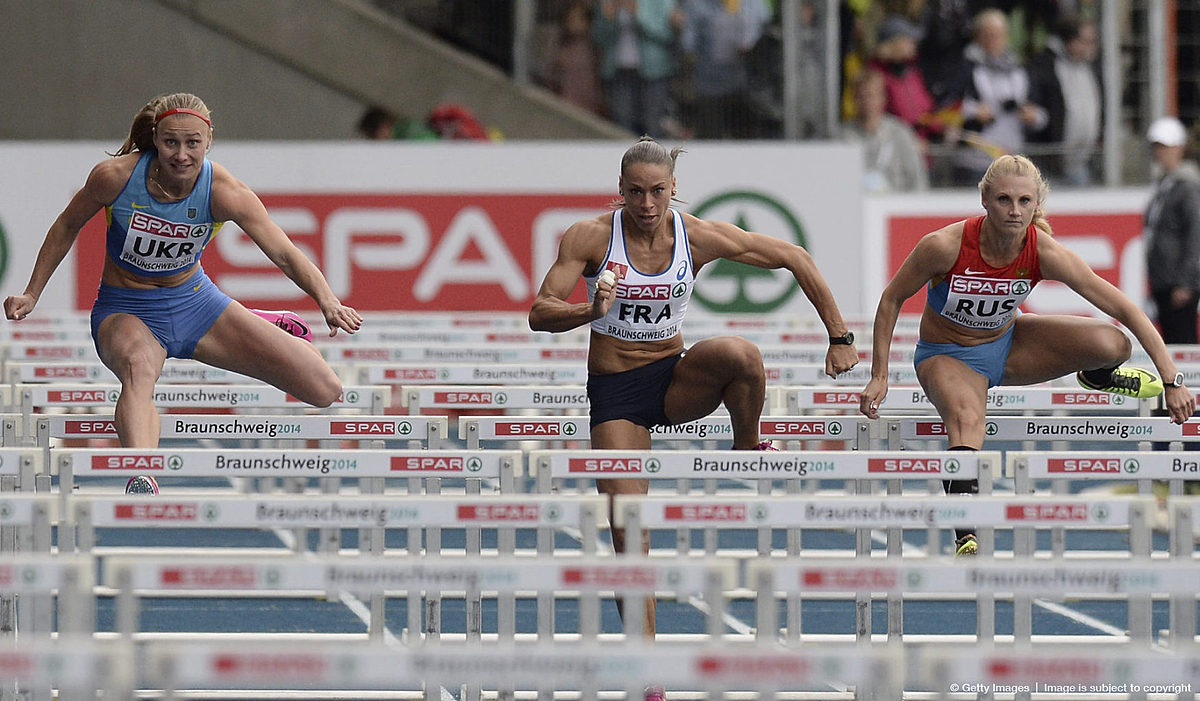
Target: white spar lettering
471	233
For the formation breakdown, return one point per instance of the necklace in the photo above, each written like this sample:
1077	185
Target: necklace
160	187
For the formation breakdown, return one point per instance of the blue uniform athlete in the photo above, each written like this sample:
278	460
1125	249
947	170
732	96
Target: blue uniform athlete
163	201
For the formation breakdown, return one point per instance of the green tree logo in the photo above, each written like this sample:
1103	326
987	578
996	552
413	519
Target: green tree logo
737	287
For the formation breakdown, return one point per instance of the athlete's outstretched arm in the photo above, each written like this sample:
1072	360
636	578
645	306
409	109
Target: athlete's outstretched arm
932	256
551	311
233	201
103	185
711	240
1064	265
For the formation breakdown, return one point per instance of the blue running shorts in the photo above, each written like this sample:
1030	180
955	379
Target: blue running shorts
177	316
987	359
637	395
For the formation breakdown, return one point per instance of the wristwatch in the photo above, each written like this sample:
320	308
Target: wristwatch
845	340
1177	382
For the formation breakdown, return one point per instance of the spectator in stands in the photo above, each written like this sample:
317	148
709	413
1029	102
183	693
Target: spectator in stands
574	74
377	124
639	373
996	108
946	32
893	161
163	200
977	273
1172	233
637	43
904	86
717	36
1065	79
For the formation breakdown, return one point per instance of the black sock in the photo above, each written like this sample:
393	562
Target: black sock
961	487
1099	378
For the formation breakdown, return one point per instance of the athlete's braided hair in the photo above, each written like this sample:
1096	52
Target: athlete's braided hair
141	132
1020	166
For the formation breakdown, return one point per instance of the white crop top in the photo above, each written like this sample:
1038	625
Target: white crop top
649	306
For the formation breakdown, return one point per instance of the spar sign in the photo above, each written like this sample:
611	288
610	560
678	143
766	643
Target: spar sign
417	252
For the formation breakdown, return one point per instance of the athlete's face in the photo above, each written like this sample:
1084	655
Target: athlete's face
647	190
181	140
1010	203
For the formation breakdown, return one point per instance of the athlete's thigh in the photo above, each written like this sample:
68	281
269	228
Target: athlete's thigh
959	394
245	343
126	345
702	374
1048	346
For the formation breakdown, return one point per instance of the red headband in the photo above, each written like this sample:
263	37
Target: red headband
182	110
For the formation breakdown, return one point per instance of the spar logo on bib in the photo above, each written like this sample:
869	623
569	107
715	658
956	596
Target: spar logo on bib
736	287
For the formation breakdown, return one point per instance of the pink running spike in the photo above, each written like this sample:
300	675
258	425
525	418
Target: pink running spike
767	445
288	321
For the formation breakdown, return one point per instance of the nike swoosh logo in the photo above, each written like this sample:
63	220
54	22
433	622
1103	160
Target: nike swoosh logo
968	271
135	205
197	287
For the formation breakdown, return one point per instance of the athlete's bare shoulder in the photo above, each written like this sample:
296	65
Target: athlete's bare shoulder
938	249
587	240
108	177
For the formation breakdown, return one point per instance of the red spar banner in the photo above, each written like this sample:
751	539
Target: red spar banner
411	252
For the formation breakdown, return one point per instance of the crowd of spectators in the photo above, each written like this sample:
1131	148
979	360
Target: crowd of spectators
969	79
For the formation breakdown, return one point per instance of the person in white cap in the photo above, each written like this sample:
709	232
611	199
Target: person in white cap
1172	233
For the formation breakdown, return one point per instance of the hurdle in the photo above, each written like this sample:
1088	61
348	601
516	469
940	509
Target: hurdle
25	537
590	668
857	469
39	397
415	431
370	466
798	512
495	397
1106	429
476	429
804	400
506	513
455	353
465	373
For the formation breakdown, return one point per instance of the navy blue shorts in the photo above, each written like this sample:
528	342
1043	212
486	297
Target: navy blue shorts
636	395
177	316
987	359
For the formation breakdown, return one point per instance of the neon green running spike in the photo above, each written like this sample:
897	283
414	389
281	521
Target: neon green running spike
966	546
1129	381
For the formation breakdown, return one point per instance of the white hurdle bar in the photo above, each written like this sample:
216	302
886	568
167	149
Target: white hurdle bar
471	373
455	353
475	429
425	430
368	399
804	400
1023	514
712	666
1093	429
